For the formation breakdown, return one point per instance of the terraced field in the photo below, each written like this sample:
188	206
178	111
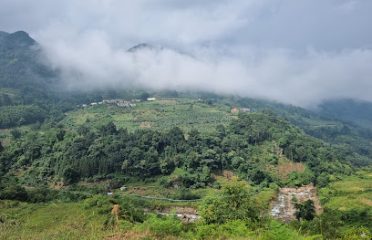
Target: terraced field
354	192
160	114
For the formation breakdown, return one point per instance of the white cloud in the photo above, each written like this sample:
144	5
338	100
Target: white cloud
298	52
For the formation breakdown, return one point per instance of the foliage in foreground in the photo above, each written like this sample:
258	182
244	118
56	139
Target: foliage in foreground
230	213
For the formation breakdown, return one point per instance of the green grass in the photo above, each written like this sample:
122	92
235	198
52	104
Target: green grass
265	197
49	221
352	192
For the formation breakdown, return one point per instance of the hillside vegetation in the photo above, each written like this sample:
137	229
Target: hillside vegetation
169	165
74	162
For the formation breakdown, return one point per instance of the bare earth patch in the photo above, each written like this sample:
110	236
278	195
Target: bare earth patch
283	207
284	169
145	125
367	201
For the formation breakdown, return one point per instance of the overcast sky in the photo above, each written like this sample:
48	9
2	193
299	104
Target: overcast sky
294	51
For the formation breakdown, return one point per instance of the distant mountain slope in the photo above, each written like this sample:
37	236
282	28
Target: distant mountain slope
21	68
326	125
25	80
348	110
143	46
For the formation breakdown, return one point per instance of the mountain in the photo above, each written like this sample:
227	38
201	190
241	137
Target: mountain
143	46
25	79
324	124
157	48
349	110
21	68
116	161
16	40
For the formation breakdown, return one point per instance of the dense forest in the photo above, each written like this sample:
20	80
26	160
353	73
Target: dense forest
88	153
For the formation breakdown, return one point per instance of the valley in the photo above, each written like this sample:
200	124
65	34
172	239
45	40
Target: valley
171	191
138	163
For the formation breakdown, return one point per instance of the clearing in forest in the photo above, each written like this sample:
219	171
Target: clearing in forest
283	208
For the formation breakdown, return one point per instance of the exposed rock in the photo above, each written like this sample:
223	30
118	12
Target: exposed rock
283	208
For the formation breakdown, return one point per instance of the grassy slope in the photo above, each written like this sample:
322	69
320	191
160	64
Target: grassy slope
160	114
352	197
72	221
352	192
49	221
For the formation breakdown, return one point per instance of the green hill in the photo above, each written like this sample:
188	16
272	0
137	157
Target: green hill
116	164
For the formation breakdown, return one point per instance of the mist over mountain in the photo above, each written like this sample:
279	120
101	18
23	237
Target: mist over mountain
348	110
144	46
23	68
28	68
282	75
163	119
276	50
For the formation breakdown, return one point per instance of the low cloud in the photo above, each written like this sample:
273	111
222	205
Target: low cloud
298	52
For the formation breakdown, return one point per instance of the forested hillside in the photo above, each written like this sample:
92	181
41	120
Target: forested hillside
252	146
348	110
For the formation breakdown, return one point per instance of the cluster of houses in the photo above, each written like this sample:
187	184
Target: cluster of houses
118	102
114	102
237	110
121	102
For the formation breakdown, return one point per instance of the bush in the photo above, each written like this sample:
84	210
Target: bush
185	194
14	192
70	196
164	226
70	176
131	210
236	228
357	233
41	195
16	133
229	230
279	231
234	203
99	203
305	210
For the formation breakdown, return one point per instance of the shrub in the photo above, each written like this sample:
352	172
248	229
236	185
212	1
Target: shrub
305	210
41	195
99	203
357	233
234	203
70	176
164	226
14	192
131	210
185	194
229	230
279	231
